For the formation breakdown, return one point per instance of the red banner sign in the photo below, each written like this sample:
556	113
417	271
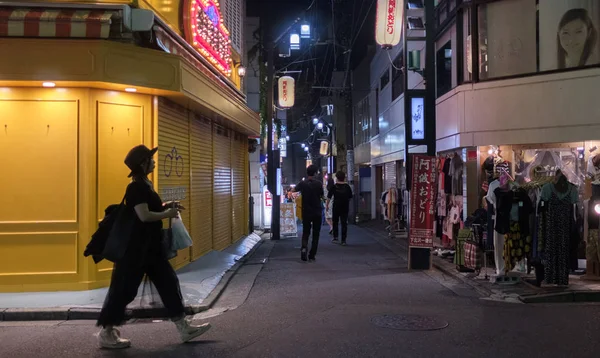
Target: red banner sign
422	201
268	198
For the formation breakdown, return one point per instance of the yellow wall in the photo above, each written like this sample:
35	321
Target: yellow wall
51	192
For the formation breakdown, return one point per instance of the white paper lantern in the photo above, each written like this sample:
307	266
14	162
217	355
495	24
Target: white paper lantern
287	89
390	22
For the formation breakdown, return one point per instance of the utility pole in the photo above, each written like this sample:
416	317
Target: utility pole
272	148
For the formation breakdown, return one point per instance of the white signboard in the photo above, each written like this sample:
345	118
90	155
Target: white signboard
417	118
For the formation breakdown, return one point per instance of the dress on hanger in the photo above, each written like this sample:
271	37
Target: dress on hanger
557	232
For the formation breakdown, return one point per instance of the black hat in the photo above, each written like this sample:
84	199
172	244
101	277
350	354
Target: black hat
136	157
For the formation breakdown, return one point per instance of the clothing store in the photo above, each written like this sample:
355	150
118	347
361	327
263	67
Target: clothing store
537	219
450	197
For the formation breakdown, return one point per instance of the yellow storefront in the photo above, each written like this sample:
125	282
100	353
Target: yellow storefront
71	108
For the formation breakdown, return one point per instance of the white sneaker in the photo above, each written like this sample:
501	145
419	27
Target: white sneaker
187	331
110	338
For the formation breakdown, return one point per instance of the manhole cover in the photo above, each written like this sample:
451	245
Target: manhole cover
409	322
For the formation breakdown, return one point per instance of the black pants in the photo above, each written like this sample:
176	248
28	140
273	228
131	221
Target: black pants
124	284
311	223
340	216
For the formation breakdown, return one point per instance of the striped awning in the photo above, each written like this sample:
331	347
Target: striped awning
71	23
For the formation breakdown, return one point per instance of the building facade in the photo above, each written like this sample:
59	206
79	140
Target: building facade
390	79
83	84
516	83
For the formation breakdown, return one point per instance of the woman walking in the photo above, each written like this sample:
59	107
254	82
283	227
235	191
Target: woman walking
328	210
144	256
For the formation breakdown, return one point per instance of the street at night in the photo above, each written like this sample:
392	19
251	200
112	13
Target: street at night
329	309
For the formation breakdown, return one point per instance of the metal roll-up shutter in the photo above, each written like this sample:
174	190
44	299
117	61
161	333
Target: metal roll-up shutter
389	175
173	161
201	210
238	193
222	187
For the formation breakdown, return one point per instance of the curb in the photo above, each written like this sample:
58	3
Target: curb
562	297
84	313
440	265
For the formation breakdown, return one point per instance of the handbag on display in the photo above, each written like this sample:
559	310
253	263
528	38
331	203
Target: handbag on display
181	237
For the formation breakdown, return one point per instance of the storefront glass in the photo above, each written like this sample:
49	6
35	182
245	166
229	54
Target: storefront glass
519	37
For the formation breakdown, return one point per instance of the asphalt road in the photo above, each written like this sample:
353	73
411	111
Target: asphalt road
325	309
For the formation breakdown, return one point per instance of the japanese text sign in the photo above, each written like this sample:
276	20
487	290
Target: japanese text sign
422	201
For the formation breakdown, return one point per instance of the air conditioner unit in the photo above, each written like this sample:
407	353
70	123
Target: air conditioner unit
137	20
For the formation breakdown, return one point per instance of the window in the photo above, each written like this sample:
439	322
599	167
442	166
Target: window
507	41
376	118
467	46
444	69
519	37
232	12
398	76
362	122
385	79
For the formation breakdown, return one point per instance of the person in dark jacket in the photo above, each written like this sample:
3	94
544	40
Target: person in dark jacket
341	195
144	256
312	193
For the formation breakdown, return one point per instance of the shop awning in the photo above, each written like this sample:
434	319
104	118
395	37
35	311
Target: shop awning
69	23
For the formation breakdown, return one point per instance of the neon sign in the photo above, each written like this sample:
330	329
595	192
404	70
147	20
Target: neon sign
204	29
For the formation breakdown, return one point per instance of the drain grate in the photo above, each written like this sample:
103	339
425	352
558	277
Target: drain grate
409	322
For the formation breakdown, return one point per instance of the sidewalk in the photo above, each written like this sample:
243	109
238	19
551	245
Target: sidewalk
202	282
521	292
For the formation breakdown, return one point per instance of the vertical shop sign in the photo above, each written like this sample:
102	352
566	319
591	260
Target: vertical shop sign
268	198
422	201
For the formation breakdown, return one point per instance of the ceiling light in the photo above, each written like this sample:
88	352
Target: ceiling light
130	89
49	84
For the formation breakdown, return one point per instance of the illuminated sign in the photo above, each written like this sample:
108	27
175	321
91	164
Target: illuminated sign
204	29
286	91
417	118
389	22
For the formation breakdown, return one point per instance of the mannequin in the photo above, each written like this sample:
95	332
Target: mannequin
498	237
593	173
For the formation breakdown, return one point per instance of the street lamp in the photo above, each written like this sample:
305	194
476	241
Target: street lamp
315	120
320	125
241	71
305	148
303	145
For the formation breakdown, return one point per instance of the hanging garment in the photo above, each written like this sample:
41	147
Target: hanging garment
441	176
516	246
456	171
447	177
442	204
558	233
391	203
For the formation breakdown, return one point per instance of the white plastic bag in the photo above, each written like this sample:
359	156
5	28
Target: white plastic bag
181	237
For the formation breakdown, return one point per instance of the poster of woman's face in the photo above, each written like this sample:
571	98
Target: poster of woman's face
569	33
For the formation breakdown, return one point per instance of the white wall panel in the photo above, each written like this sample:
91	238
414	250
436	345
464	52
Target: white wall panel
540	109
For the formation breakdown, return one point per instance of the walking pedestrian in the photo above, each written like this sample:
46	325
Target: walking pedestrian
311	191
328	209
340	195
144	256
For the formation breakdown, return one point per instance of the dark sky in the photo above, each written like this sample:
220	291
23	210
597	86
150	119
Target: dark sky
316	59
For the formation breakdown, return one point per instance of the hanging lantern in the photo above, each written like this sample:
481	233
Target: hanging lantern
286	91
389	24
324	148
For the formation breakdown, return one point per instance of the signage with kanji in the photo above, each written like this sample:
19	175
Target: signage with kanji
422	201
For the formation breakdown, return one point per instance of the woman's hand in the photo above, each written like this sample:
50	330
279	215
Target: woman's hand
171	213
